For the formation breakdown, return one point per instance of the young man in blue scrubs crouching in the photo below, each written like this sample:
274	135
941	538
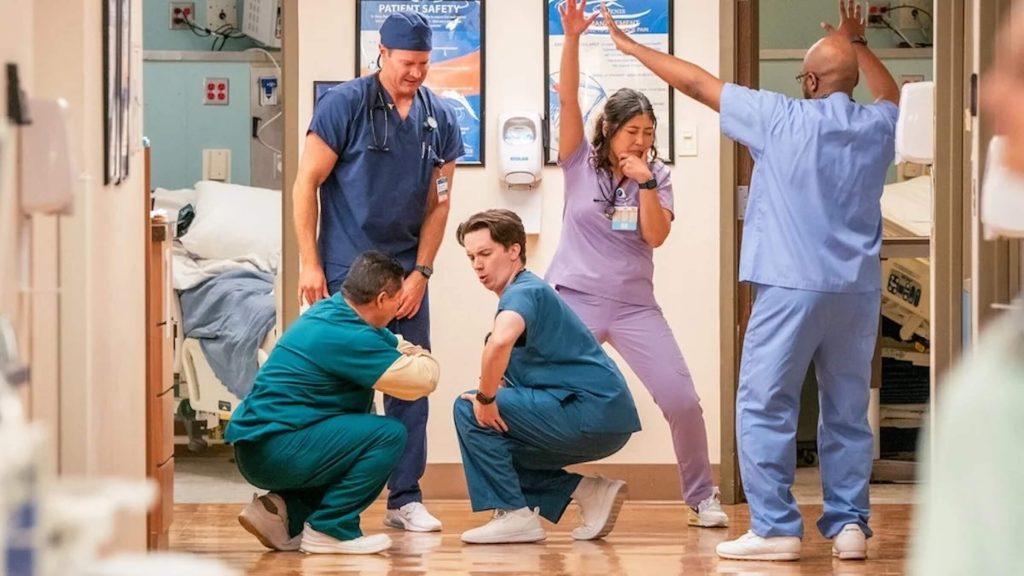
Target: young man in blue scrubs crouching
305	432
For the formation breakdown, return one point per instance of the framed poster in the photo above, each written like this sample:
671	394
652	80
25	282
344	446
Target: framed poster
116	89
456	61
603	69
321	87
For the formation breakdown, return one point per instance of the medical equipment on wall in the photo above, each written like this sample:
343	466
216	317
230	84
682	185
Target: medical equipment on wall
47	168
520	165
261	21
520	148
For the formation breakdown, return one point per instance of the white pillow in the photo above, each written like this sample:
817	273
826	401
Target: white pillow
234	221
173	200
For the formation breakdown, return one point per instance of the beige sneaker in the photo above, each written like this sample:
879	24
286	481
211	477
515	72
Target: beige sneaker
750	546
508	527
600	501
850	543
314	542
266	518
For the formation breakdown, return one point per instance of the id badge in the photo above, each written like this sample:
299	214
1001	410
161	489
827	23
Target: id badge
442	188
625	218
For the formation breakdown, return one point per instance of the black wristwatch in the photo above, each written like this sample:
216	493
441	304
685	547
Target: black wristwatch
427	271
650	184
859	40
485	399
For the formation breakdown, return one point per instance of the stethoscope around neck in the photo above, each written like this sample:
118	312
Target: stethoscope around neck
430	124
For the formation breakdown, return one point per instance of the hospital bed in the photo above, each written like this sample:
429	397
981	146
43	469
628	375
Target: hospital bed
906	293
215	246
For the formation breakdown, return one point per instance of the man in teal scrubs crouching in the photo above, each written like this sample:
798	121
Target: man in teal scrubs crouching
305	432
548	397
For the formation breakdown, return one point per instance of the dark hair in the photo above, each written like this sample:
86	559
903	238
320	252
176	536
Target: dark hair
371	273
622	107
505	226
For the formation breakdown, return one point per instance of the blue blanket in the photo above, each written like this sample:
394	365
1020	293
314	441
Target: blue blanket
230	315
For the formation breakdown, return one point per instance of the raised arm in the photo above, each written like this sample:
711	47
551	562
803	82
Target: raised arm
688	78
851	26
570	119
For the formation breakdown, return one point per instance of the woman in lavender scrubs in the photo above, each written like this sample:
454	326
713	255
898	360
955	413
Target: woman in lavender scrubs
618	208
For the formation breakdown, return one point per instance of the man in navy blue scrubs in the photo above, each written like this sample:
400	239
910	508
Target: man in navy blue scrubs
382	150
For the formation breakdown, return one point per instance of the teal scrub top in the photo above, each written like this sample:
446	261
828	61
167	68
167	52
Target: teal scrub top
324	365
558	354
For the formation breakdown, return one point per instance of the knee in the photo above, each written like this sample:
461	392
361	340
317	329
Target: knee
463	413
679	402
392	437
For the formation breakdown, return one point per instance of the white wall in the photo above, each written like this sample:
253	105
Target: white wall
686	278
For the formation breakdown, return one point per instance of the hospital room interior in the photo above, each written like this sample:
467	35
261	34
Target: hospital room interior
147	239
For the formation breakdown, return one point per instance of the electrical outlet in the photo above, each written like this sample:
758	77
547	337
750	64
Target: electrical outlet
221	13
179	11
876	12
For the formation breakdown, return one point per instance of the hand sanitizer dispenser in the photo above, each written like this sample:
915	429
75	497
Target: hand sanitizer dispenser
915	128
520	149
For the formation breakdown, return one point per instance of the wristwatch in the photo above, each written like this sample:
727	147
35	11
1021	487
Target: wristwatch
650	184
859	40
485	399
425	270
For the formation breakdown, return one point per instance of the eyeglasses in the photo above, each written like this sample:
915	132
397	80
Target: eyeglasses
800	77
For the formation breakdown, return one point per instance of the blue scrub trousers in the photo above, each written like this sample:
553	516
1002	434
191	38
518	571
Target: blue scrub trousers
524	466
327	473
788	329
404	484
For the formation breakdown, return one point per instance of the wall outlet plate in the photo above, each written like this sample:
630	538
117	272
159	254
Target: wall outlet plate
221	13
178	11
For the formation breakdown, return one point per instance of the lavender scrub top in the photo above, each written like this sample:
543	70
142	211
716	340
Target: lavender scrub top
591	257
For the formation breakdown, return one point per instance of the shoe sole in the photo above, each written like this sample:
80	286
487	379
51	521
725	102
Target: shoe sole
694	520
250	527
858	555
520	538
400	524
773	557
613	514
315	549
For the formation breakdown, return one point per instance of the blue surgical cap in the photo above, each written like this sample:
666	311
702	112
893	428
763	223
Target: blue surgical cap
406	31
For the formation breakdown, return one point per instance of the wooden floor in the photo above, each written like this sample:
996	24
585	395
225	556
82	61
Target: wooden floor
650	539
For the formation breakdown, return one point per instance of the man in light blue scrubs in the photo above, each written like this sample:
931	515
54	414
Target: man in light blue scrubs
382	150
811	241
548	397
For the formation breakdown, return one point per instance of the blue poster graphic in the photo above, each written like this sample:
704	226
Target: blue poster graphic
455	61
603	70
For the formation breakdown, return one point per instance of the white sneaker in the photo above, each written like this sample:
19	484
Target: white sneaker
750	546
314	542
413	517
709	513
600	501
266	518
850	543
508	527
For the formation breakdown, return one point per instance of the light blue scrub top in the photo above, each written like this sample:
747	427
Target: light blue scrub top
377	199
324	365
814	217
559	355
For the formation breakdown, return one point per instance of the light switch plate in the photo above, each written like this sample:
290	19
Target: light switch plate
217	164
688	141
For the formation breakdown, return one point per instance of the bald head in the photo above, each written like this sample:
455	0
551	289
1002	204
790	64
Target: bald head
830	66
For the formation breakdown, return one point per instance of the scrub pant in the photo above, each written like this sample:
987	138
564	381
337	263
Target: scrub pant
788	329
327	473
642	336
404	484
524	466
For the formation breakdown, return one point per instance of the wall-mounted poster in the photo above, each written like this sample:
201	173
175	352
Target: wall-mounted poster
603	69
116	89
456	61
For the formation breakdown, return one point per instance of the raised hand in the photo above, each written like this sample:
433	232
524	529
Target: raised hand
622	41
574	21
851	20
